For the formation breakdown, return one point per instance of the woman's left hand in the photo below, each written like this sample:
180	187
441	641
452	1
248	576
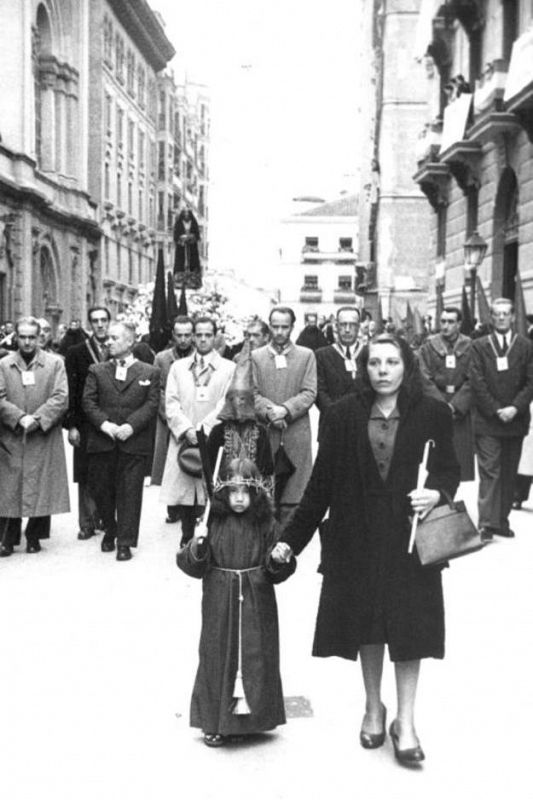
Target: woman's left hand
423	500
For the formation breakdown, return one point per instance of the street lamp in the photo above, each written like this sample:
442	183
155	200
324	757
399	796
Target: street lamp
475	248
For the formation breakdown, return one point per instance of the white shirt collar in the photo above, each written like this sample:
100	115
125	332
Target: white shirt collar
128	360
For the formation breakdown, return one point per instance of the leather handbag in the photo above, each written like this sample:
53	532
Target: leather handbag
447	532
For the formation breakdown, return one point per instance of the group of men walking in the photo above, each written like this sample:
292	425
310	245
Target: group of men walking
114	407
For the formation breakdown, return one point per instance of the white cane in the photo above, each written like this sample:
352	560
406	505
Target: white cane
422	475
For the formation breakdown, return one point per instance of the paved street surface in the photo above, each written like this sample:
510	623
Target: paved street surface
98	660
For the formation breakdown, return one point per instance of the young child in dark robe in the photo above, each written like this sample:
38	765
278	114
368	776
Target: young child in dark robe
238	685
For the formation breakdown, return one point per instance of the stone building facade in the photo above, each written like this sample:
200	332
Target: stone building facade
475	150
318	255
49	232
182	158
129	48
394	225
77	153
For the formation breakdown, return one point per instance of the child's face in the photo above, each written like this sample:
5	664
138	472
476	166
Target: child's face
239	498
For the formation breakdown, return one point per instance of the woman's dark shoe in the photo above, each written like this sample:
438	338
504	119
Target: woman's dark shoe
6	550
370	741
410	755
517	505
214	739
33	546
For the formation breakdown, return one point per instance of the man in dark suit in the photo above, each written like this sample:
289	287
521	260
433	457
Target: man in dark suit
120	399
335	364
501	379
77	362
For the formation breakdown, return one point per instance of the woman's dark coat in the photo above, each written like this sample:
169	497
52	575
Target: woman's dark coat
364	546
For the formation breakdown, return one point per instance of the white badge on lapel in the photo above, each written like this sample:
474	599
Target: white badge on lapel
502	365
280	362
121	373
28	378
450	362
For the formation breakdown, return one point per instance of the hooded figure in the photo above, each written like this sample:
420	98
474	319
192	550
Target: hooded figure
239	433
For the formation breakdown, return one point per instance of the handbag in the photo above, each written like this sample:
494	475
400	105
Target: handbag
447	532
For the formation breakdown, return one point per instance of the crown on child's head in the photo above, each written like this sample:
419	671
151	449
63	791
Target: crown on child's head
259	483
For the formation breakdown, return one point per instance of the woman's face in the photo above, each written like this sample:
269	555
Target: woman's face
239	498
385	368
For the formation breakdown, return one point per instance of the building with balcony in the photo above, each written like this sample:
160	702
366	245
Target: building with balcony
183	121
475	156
49	231
318	253
394	225
128	51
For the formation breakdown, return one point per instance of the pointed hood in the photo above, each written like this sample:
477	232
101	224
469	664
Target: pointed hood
242	386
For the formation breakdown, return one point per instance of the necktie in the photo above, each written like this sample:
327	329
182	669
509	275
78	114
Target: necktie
202	363
122	363
348	354
504	346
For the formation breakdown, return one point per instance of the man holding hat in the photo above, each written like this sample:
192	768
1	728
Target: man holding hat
195	392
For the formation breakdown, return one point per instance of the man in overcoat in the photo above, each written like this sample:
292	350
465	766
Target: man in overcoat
182	347
33	473
285	389
444	363
195	393
502	388
120	400
78	359
336	363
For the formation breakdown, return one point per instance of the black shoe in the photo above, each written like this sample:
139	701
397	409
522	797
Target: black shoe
410	756
171	518
517	505
108	544
6	550
33	546
86	533
123	552
505	532
372	740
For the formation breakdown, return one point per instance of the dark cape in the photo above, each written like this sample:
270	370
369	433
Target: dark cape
246	439
370	582
237	543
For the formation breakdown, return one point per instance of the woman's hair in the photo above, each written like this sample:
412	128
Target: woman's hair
243	471
412	386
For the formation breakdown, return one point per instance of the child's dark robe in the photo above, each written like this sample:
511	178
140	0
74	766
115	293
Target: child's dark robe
237	543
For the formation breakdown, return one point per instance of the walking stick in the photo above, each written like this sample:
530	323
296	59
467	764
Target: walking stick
422	475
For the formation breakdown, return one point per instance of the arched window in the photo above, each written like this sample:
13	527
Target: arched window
41	46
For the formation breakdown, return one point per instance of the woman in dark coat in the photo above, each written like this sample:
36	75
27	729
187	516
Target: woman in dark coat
374	592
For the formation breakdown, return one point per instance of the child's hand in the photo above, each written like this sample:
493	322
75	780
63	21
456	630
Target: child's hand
282	553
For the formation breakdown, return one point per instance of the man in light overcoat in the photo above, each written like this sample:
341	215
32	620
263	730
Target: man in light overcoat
195	393
33	472
285	389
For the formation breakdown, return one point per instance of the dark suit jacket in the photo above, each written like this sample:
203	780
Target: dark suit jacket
492	390
77	362
134	401
333	381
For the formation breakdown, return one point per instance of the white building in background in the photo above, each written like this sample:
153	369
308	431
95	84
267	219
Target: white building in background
318	254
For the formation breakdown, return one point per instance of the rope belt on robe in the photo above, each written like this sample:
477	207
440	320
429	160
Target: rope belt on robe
240	705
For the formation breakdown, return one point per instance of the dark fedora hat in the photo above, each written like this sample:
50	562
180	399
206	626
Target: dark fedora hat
189	459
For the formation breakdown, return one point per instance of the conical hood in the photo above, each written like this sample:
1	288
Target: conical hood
172	306
241	387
